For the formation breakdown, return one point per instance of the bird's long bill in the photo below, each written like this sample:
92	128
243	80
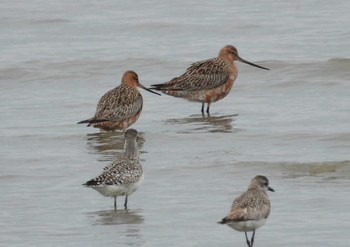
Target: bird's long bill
149	90
252	64
270	189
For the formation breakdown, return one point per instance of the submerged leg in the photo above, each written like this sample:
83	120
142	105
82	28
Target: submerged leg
115	203
202	110
246	238
252	240
208	106
126	202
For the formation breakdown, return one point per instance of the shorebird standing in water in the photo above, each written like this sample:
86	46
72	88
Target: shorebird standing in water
206	81
250	210
120	107
123	176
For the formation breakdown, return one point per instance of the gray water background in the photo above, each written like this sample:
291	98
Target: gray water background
290	123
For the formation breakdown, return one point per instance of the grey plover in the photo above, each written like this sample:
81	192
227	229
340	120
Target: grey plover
206	81
120	107
250	210
123	176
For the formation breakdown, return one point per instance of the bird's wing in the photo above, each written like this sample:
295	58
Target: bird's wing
106	178
119	104
115	163
124	172
249	206
238	214
201	75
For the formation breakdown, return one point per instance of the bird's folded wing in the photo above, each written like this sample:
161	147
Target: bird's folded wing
118	109
203	75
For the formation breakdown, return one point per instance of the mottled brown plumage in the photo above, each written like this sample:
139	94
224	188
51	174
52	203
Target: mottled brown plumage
206	81
120	107
250	210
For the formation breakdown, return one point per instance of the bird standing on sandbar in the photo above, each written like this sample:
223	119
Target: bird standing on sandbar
120	107
123	176
250	210
206	81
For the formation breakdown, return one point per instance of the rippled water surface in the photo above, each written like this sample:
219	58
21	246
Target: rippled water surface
290	123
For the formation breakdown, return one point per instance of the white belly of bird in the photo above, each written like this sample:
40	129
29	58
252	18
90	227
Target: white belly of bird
120	189
247	226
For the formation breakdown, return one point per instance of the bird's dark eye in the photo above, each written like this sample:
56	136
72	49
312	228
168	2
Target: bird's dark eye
266	183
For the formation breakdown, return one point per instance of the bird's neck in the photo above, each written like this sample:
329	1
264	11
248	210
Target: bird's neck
131	148
226	57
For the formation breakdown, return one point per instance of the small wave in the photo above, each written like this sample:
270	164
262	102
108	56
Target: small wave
315	168
18	73
282	63
50	21
339	60
327	170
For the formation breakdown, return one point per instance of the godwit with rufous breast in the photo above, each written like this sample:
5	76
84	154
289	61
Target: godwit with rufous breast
120	107
123	176
250	210
206	81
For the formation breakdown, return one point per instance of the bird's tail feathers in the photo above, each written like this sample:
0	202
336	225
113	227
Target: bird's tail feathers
84	121
164	87
92	121
223	221
91	183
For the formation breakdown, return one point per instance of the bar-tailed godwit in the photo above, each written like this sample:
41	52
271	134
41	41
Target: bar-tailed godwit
120	107
123	176
250	210
206	81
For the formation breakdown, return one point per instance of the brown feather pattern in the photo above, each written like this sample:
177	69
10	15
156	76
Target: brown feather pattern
253	204
120	107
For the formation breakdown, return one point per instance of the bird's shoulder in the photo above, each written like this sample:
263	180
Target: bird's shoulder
212	65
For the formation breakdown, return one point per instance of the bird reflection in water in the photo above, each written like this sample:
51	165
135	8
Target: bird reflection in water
130	222
117	217
108	145
211	124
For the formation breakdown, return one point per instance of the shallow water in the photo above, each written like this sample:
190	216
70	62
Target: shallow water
290	123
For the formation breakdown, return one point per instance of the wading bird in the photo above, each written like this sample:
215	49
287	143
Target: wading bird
250	210
120	107
206	81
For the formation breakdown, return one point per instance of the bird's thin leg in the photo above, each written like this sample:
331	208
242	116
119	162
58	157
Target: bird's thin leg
202	110
252	240
115	203
208	106
126	202
246	238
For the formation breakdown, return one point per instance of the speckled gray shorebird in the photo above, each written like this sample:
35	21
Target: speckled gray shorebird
120	107
206	81
250	210
123	176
